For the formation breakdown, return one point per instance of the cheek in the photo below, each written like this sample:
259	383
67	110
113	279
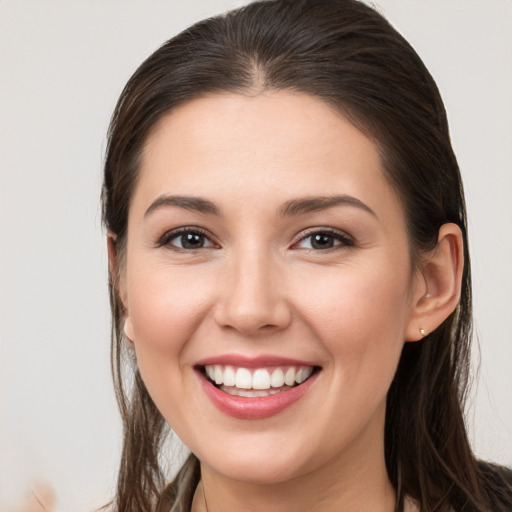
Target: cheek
165	305
360	317
356	301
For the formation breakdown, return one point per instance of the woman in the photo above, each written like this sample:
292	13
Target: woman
289	271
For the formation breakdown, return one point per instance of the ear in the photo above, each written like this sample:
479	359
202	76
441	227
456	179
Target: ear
437	288
118	282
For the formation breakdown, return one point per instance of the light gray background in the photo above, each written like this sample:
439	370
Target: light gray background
62	65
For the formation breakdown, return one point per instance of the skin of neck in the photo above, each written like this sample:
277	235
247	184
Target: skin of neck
355	480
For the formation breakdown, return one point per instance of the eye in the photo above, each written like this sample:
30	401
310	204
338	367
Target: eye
186	239
324	240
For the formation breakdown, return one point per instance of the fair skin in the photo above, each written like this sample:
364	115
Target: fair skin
263	227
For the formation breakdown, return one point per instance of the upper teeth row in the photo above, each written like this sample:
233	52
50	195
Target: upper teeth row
261	378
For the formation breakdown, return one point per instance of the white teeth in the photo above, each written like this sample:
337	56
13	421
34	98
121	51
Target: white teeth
229	376
246	392
277	379
303	374
289	377
243	379
218	374
260	379
253	392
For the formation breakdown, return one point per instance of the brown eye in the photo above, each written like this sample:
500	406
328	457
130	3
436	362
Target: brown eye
324	240
187	240
192	241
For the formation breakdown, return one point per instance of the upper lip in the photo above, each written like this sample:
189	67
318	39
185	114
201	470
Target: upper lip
261	361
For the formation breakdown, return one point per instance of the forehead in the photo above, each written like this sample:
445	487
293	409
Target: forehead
273	145
277	121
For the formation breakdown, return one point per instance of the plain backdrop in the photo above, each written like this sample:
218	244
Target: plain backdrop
62	65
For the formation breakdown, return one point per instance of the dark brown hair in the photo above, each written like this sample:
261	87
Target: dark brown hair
349	56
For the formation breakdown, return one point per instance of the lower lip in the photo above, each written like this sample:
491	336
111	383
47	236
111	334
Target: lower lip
255	408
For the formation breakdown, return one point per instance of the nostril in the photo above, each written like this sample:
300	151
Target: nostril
254	318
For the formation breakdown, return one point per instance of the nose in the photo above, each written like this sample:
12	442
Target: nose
253	296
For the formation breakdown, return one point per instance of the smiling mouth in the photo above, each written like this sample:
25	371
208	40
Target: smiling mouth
256	382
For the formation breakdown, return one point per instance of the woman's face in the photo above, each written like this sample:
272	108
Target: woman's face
265	246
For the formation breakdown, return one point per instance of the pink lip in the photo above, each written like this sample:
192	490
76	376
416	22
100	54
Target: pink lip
254	408
263	361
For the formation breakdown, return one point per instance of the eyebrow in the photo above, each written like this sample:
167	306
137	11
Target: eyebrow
195	204
315	204
290	208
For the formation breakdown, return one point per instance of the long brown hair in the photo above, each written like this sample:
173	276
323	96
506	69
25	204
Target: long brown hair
349	56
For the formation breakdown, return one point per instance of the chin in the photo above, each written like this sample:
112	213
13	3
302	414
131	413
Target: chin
259	471
261	461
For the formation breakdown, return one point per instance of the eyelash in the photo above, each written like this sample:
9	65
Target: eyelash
166	239
342	238
338	236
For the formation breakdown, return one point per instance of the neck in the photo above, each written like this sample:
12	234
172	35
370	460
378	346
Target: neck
356	482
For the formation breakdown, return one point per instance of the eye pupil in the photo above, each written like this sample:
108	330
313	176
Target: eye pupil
192	240
322	241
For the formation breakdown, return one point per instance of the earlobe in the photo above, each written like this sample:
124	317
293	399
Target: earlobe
115	276
128	329
438	289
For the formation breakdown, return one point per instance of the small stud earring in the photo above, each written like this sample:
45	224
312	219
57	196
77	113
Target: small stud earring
422	331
